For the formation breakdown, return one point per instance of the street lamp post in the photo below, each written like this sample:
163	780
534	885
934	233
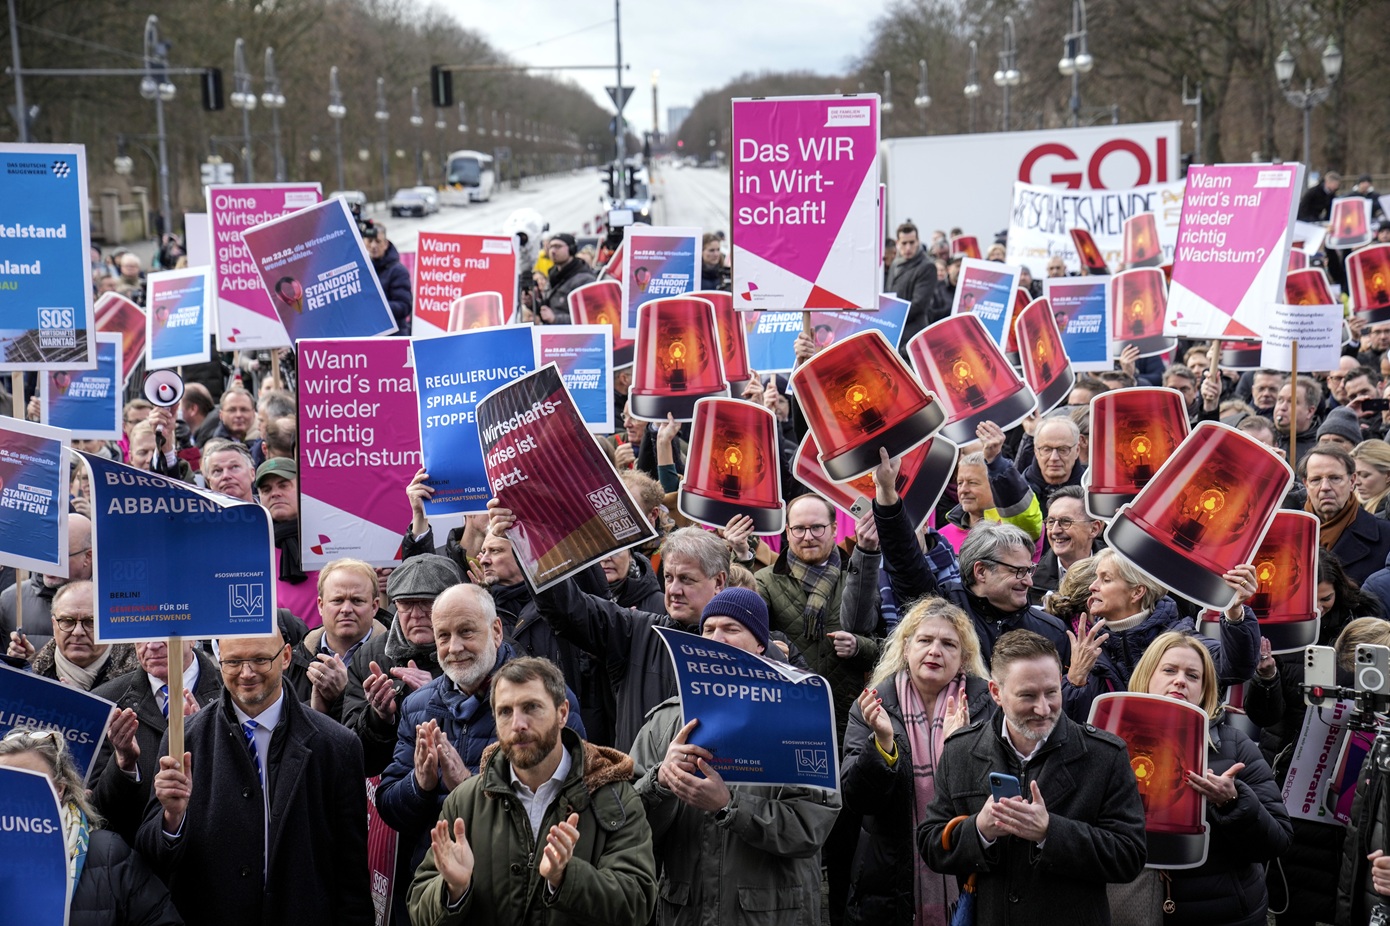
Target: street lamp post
886	107
1076	60
156	86
1008	76
244	99
274	101
923	99
383	115
417	122
972	81
440	125
1310	97
336	112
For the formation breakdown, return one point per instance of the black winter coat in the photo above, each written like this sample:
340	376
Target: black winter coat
915	281
378	736
118	797
1095	835
625	642
881	886
1366	830
117	888
1229	888
395	283
563	281
317	863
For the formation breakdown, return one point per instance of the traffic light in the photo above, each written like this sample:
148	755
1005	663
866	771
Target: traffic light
608	179
441	86
212	90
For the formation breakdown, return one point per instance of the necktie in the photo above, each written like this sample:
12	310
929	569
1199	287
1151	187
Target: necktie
249	728
164	699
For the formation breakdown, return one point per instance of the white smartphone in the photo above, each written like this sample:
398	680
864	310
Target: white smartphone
860	507
1319	670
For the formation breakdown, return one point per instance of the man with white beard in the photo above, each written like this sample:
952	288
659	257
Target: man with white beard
446	724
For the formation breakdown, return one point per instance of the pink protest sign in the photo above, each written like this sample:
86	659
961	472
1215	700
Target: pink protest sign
1233	248
246	319
448	266
359	440
805	210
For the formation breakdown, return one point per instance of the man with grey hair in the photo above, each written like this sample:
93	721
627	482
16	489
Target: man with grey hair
996	576
227	468
39	589
446	724
389	666
1056	458
695	564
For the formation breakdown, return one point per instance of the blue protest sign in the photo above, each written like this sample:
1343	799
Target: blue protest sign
452	373
584	356
32	702
33	497
766	722
34	877
86	403
45	270
169	559
985	289
319	275
1081	306
661	262
772	335
176	320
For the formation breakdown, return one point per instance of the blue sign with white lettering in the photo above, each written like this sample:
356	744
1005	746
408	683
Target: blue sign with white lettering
45	270
452	373
33	702
173	560
34	877
33	497
766	722
772	335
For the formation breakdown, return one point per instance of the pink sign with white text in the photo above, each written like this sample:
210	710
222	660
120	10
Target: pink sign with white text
359	443
1233	248
805	206
246	319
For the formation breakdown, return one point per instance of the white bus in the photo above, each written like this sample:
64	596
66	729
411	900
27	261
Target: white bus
470	178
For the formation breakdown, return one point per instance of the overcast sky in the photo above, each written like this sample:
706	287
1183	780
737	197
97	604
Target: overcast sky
697	45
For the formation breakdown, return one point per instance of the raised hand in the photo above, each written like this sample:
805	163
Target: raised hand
871	706
121	736
1085	650
426	756
453	857
559	849
380	693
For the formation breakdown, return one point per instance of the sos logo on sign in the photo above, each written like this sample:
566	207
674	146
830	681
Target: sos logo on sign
57	318
1132	164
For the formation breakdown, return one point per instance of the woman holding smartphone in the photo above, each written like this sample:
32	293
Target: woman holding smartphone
929	682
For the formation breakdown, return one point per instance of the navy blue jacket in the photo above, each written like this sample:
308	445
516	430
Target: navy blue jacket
395	283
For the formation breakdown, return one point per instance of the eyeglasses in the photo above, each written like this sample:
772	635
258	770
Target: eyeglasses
72	553
32	734
1064	523
256	662
69	624
1020	572
1331	481
414	605
1053	451
814	530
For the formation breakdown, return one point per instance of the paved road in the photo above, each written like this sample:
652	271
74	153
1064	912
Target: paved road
687	197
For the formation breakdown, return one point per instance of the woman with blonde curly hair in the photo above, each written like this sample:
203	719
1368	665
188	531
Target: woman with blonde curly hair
929	682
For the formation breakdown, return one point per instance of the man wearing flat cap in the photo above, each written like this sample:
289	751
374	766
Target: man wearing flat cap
390	666
718	846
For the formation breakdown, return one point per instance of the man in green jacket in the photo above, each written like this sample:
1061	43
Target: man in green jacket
564	838
740	854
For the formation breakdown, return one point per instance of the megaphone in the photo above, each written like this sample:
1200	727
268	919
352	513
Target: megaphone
163	388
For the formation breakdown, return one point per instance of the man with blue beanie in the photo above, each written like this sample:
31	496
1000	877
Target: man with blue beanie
724	851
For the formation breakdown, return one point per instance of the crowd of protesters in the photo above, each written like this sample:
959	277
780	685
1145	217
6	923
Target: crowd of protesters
529	749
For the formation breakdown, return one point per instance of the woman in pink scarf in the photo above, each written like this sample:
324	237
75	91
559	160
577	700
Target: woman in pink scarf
929	682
